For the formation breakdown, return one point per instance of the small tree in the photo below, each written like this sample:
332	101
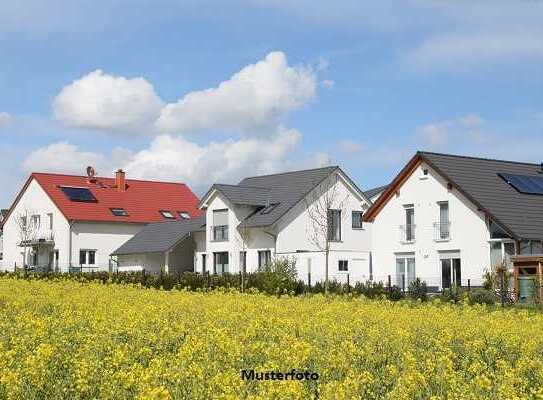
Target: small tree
27	229
243	238
319	205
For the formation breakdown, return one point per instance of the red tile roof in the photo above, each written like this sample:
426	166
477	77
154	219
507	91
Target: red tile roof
142	200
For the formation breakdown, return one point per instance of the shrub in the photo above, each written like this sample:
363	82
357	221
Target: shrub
370	289
418	290
482	296
453	294
394	293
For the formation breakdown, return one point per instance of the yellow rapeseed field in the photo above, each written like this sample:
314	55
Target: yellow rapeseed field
83	340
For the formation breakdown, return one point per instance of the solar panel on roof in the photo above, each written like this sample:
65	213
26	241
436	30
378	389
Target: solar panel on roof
527	184
78	194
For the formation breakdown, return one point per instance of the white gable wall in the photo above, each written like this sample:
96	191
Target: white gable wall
468	231
295	229
36	201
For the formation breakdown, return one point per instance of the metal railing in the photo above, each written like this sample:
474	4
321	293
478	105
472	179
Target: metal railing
41	236
407	233
220	233
442	231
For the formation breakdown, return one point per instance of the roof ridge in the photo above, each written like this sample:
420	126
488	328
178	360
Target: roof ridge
108	177
239	186
291	172
476	158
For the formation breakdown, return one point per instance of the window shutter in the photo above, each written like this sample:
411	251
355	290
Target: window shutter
220	217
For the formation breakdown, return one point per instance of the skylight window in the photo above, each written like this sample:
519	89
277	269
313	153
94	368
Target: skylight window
268	209
167	214
119	212
184	214
80	194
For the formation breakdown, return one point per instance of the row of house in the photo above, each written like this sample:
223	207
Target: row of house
444	218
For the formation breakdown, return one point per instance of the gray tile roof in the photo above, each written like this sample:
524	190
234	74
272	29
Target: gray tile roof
160	236
375	191
246	195
286	190
521	214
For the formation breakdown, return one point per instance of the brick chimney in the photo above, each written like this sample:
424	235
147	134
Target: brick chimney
120	180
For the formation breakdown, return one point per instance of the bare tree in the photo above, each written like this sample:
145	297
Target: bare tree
243	238
27	228
324	204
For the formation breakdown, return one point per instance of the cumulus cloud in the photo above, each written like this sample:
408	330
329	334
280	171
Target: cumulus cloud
435	134
254	99
107	102
63	157
5	119
178	159
175	158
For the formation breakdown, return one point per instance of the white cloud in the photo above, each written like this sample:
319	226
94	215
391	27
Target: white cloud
178	159
328	83
107	102
472	121
175	158
254	99
63	157
5	119
471	48
350	146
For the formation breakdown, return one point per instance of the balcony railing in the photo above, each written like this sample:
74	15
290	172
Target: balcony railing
442	231
407	233
42	236
220	233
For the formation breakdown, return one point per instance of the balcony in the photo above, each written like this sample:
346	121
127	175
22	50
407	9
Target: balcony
442	231
407	233
44	236
219	233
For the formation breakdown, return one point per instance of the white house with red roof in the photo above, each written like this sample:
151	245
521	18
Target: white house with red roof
62	222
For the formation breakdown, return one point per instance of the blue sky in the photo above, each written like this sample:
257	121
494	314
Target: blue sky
206	91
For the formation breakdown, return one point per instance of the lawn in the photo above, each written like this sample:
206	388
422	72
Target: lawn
87	340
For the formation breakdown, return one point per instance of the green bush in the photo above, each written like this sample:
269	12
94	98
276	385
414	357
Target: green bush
453	294
370	289
482	296
418	290
394	293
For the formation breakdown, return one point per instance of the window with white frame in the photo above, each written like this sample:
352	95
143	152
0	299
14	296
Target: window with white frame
220	225
405	270
264	258
87	257
343	266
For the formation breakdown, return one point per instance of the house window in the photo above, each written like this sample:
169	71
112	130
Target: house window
220	225
204	262
334	225
87	257
220	263
451	274
405	271
35	221
243	261
343	266
264	258
409	227
357	219
443	226
119	212
184	214
167	214
50	220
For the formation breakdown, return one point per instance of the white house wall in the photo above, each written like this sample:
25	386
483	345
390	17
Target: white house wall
468	231
36	201
293	240
103	237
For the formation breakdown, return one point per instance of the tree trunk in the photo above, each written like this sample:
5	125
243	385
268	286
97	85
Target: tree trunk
326	281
